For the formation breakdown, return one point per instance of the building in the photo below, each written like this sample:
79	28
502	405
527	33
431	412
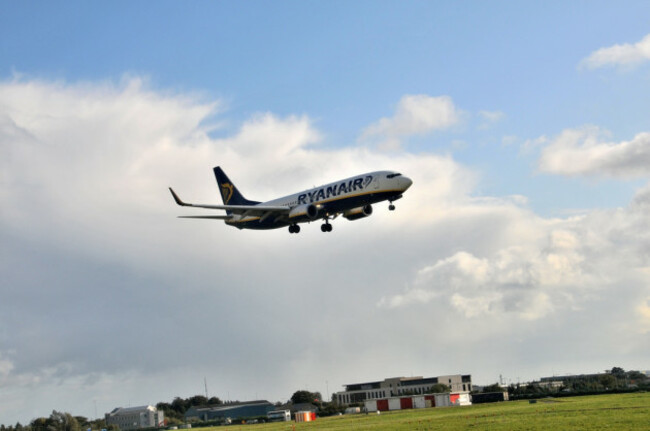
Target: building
300	407
396	386
447	399
279	416
132	418
248	409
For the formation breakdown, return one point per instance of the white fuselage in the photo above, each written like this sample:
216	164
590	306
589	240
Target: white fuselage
332	198
352	197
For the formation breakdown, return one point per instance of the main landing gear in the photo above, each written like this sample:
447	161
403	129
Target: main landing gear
325	227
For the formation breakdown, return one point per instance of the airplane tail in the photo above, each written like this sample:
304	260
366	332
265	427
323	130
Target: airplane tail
229	193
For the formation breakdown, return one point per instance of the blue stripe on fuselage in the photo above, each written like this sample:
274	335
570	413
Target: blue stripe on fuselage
329	206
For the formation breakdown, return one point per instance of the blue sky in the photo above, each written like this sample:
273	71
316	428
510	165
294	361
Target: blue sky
347	64
524	126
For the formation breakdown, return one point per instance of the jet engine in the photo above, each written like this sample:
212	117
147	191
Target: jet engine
309	210
357	213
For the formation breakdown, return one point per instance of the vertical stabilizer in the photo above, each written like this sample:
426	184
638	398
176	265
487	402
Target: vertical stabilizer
229	193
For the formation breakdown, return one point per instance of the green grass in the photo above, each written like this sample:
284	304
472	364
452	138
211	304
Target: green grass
601	412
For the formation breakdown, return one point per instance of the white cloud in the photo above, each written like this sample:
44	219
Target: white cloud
6	366
492	116
89	229
620	55
584	152
415	115
644	315
529	280
531	144
489	118
538	267
85	171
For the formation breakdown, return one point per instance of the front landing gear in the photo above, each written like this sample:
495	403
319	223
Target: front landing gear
294	228
391	207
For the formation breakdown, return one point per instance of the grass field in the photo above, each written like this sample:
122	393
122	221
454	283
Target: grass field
602	412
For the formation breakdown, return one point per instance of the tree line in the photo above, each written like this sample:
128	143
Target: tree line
175	411
614	380
60	421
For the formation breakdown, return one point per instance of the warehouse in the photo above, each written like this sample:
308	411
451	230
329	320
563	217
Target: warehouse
135	417
249	409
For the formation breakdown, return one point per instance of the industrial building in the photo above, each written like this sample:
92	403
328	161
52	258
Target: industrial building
132	418
249	409
418	402
396	386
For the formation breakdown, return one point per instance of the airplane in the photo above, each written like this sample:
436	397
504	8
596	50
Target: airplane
352	197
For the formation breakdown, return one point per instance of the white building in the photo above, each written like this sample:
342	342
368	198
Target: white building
132	418
418	402
396	386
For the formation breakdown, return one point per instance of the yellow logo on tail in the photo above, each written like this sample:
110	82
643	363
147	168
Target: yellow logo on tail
227	190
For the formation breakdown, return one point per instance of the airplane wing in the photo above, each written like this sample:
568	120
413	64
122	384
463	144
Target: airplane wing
244	210
217	217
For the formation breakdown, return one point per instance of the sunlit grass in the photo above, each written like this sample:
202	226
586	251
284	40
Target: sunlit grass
615	412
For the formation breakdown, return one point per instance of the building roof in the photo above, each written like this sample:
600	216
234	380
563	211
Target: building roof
420	381
234	409
417	380
132	409
219	407
403	381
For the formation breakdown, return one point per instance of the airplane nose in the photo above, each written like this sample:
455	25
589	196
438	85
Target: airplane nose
405	182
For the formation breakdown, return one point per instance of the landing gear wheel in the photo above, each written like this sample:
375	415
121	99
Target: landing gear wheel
326	227
391	207
294	228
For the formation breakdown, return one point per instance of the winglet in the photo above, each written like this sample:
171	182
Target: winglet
177	199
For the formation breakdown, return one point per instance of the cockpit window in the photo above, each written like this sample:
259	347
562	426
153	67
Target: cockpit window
393	175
